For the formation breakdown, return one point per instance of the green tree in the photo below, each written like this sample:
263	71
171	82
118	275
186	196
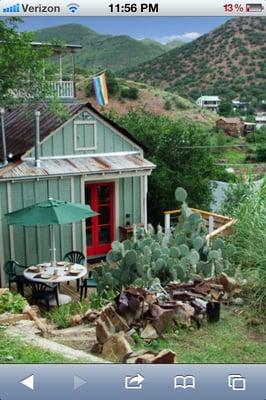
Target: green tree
226	108
171	146
131	93
21	66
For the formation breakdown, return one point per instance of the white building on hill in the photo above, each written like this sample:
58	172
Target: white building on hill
209	102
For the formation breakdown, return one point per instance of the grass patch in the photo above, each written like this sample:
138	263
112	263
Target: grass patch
228	341
14	351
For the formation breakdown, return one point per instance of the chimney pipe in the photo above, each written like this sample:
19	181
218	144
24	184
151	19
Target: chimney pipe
3	132
37	138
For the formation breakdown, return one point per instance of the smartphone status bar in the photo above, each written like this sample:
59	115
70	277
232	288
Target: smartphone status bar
81	8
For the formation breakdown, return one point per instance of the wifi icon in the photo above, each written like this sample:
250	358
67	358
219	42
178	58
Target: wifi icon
73	7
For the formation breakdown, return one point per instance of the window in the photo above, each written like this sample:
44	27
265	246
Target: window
85	135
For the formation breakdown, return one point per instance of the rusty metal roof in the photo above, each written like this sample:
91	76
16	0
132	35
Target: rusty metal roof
20	125
77	166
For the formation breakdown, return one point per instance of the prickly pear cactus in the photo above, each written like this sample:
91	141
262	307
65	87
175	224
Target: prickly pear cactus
151	255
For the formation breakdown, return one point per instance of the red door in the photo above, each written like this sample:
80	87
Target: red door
100	229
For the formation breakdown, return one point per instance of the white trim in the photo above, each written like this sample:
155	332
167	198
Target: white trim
117	209
76	124
65	157
117	131
145	201
53	133
2	263
72	191
10	228
86	108
142	199
83	223
99	176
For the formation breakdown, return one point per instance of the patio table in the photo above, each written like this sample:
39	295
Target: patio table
63	275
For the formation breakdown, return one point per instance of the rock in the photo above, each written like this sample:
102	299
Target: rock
97	348
165	357
9	358
149	357
116	348
91	316
161	318
117	321
151	298
230	284
238	301
102	331
149	333
75	320
184	313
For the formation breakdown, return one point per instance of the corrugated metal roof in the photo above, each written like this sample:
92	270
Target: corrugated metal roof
209	98
230	120
76	166
20	125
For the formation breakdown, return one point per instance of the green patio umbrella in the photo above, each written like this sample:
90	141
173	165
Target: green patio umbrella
50	212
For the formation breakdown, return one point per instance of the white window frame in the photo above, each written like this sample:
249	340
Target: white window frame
76	123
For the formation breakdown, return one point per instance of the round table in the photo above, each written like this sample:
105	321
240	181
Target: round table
61	278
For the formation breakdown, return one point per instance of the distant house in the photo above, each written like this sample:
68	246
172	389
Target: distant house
84	158
231	126
240	105
209	102
260	120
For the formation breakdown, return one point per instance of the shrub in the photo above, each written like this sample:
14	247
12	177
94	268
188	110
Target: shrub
12	303
167	105
249	238
131	93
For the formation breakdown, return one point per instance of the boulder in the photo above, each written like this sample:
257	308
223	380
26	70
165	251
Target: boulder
149	357
117	321
161	318
184	313
149	333
116	348
230	285
102	331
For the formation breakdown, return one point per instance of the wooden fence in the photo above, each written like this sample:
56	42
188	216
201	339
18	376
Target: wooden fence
216	224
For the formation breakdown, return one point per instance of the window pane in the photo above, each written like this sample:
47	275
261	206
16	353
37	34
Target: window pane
104	194
104	235
104	217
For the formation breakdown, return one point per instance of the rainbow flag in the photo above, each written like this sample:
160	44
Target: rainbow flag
100	89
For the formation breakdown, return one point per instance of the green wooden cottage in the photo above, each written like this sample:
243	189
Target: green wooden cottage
88	159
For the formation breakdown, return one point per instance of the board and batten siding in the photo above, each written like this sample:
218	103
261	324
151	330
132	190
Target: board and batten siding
31	245
62	142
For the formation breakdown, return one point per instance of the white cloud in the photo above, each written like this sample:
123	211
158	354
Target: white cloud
185	37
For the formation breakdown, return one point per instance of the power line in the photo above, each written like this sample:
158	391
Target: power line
217	147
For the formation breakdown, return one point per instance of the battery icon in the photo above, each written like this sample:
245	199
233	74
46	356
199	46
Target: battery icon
254	7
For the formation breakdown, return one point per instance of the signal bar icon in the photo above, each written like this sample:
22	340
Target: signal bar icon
12	9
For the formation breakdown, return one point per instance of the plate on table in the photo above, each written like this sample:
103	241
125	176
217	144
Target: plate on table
44	265
43	276
73	273
33	268
61	263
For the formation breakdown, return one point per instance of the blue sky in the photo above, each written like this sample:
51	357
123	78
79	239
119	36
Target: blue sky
163	29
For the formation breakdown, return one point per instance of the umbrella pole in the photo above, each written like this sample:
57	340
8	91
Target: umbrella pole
52	243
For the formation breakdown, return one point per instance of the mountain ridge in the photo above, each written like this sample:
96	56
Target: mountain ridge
228	61
116	52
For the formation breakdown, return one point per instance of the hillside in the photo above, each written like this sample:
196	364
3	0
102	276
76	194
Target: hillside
103	51
153	100
228	61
